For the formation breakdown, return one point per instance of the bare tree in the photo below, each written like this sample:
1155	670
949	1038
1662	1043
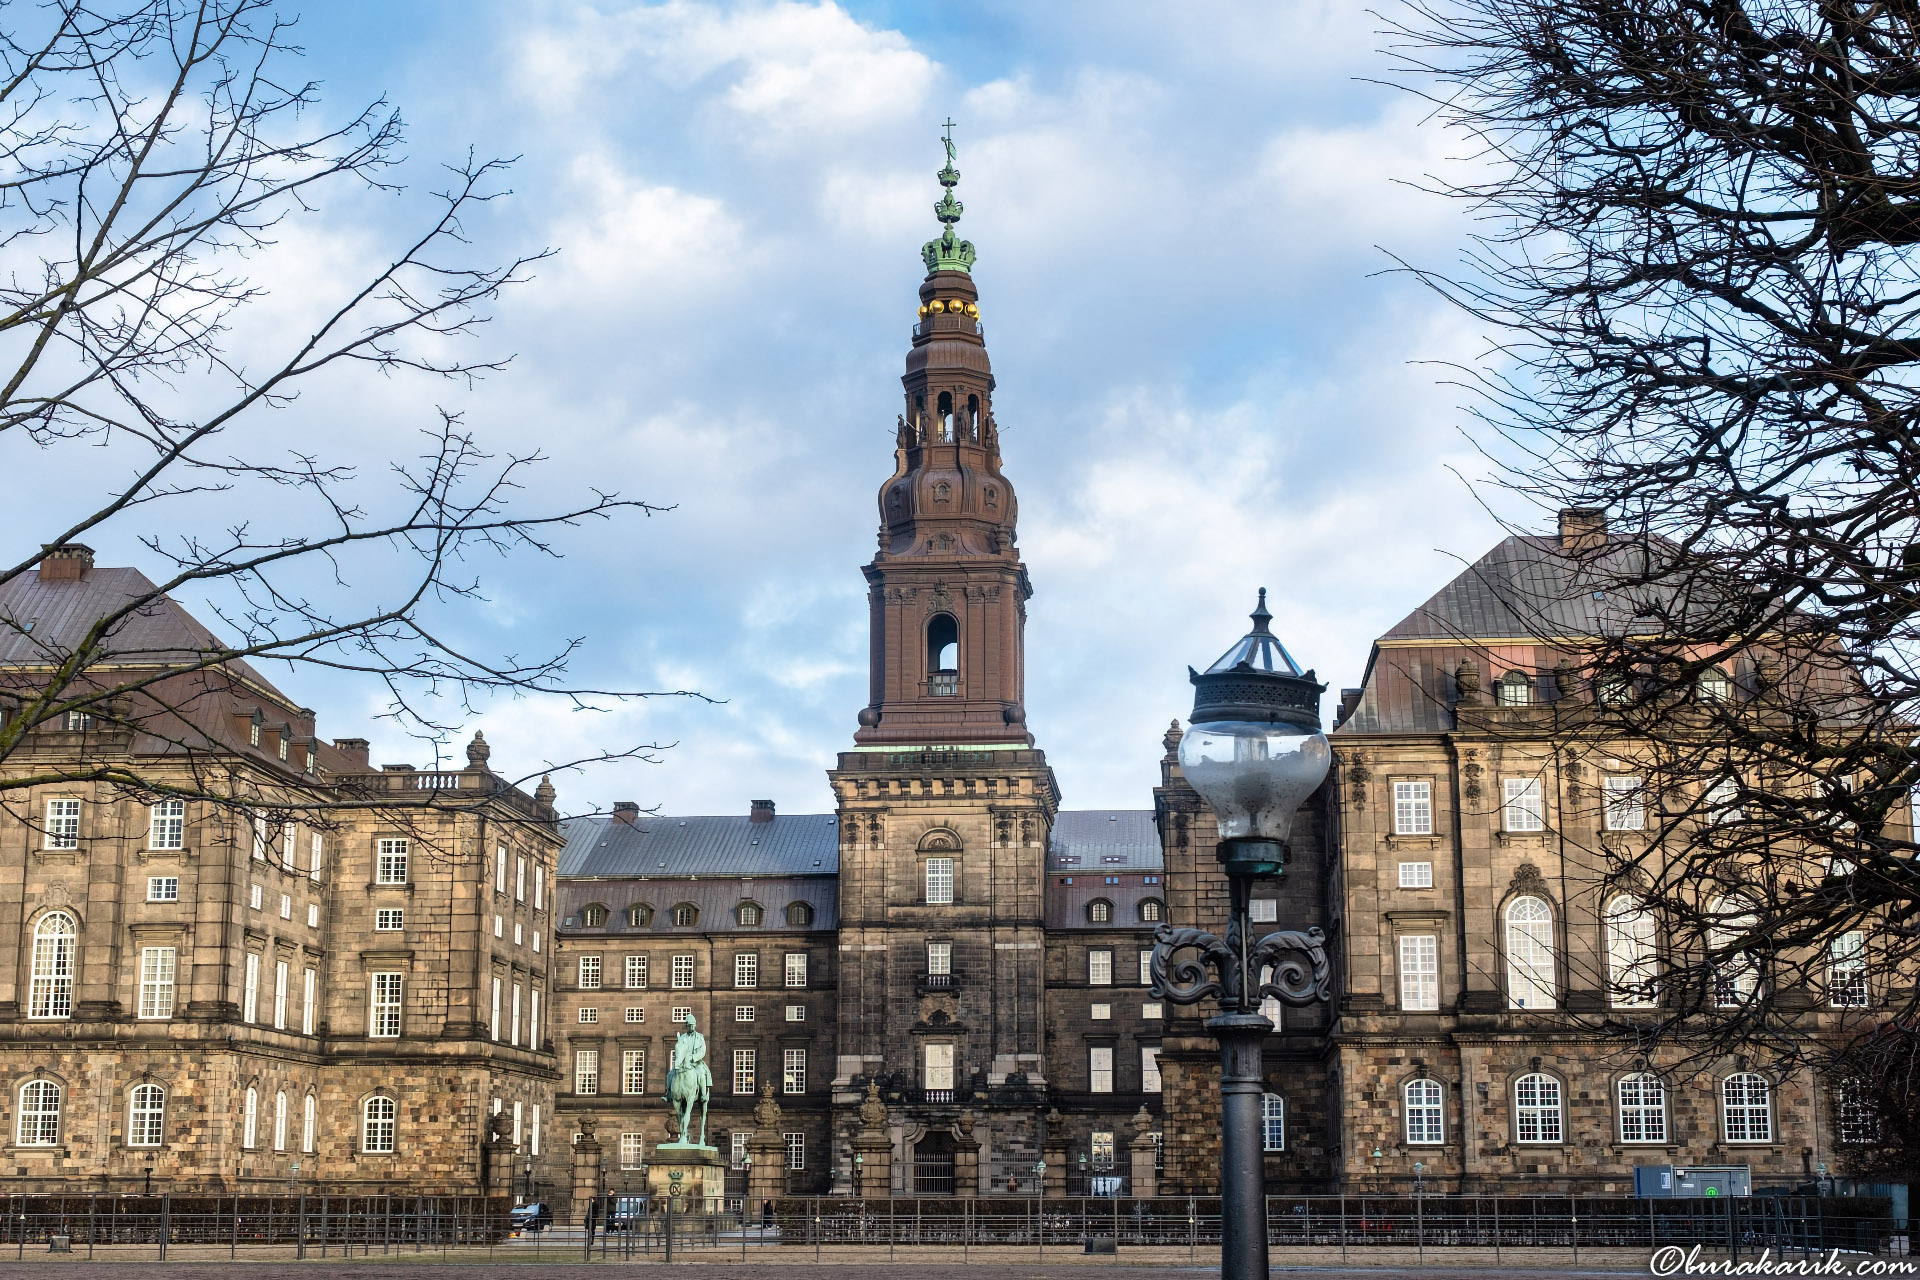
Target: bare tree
1697	251
152	153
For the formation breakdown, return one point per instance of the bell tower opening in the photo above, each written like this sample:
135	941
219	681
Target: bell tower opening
943	656
946	417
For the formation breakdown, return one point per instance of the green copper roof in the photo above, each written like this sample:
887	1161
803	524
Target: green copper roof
949	252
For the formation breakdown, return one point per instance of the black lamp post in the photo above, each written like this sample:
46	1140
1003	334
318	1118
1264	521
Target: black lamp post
529	1176
1254	752
150	1178
859	1168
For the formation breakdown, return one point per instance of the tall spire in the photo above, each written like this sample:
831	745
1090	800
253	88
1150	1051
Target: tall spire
948	253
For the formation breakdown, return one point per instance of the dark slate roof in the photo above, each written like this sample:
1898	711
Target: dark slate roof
1110	840
1523	587
794	844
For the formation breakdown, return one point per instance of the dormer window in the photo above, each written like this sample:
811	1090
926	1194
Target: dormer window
1514	690
593	917
253	731
286	740
1714	685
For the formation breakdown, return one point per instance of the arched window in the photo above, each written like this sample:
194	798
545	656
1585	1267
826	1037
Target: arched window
799	914
377	1124
1631	960
593	916
1537	1108
308	1116
1643	1108
250	1119
1424	1103
1722	801
146	1115
749	913
685	916
1714	685
1746	1108
1273	1122
1099	911
280	1121
1514	690
946	417
39	1123
51	992
639	916
1152	911
1736	978
1530	982
973	417
943	656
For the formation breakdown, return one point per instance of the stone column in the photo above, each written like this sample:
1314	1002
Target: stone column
767	1175
874	1146
1055	1147
496	1158
586	1168
966	1159
1144	1182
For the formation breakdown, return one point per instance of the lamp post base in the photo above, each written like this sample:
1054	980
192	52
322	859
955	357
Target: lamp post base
1243	1179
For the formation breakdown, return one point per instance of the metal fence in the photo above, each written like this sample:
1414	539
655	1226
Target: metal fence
318	1225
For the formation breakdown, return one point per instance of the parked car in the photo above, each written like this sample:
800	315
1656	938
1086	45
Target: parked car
531	1217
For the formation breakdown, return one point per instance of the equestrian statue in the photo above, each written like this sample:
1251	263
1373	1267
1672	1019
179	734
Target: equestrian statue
689	1080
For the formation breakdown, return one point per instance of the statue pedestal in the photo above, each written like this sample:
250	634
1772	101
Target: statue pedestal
695	1178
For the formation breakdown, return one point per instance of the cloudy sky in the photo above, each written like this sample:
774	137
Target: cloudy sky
1206	383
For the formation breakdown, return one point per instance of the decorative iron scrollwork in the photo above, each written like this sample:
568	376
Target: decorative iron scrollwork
1301	972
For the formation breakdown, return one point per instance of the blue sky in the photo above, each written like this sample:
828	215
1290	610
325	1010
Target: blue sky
1205	382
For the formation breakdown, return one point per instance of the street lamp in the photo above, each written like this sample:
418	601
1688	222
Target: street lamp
528	1198
859	1170
1040	1177
1377	1158
149	1191
1254	752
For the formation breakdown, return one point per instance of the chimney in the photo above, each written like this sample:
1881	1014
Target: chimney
1582	529
762	811
67	562
626	811
358	752
1349	699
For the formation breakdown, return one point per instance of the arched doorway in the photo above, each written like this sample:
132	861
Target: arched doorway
933	1164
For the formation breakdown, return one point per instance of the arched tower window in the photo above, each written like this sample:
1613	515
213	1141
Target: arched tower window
946	417
50	992
943	656
973	418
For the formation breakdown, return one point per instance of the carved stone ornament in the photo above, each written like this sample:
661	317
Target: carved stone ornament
1358	775
939	598
1026	831
874	829
1003	829
1466	678
1526	879
963	1127
767	1116
902	595
497	1127
1142	1123
56	896
1470	776
873	1112
939	841
585	1125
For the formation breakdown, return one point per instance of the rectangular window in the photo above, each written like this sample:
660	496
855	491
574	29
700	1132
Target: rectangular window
163	888
313	915
493	1018
499	927
633	1071
680	1013
311	979
533	1132
587	1014
796	968
385	1022
1100	1150
1273	1122
79	721
259	821
62	824
796	1150
586	1071
743	1013
1100	967
1152	1009
280	995
539	884
519	878
636	1014
536	942
500	869
286	907
1100	1013
682	974
589	973
513	1017
1420	973
939	959
745	1066
1100	1068
314	858
1263	910
1413	808
250	995
1643	1109
636	971
156	982
937	1067
793	1071
796	1013
1626	811
518	1111
939	881
1146	967
391	864
1523	809
167	825
738	1156
1416	875
533	1018
1150	1068
1847	971
633	1149
389	919
254	897
516	933
746	971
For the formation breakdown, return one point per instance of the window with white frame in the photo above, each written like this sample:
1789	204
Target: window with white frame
519	878
250	993
936	1066
539	885
384	1020
63	824
280	1120
1100	967
313	915
1146	966
389	919
377	1116
309	1115
796	1013
253	897
793	1071
1746	1108
1273	1122
1100	1068
286	907
743	1013
746	1065
1537	1109
1632	962
167	825
633	1072
586	1071
1847	971
1416	875
500	869
796	1144
146	1116
1530	975
1413	807
636	1013
680	1013
589	973
1150	1068
1263	910
493	1018
1523	809
513	1016
1100	1148
796	968
633	1150
737	1155
250	1119
939	959
163	888
1736	978
1625	804
156	982
1722	801
79	721
519	1115
1101	1013
533	1018
280	995
390	866
258	821
636	972
588	1014
533	1132
499	927
746	971
309	985
1643	1107
1424	1103
1420	972
681	977
939	879
39	1114
314	857
1154	1009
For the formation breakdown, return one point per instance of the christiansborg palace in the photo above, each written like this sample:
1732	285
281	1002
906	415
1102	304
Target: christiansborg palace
386	977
